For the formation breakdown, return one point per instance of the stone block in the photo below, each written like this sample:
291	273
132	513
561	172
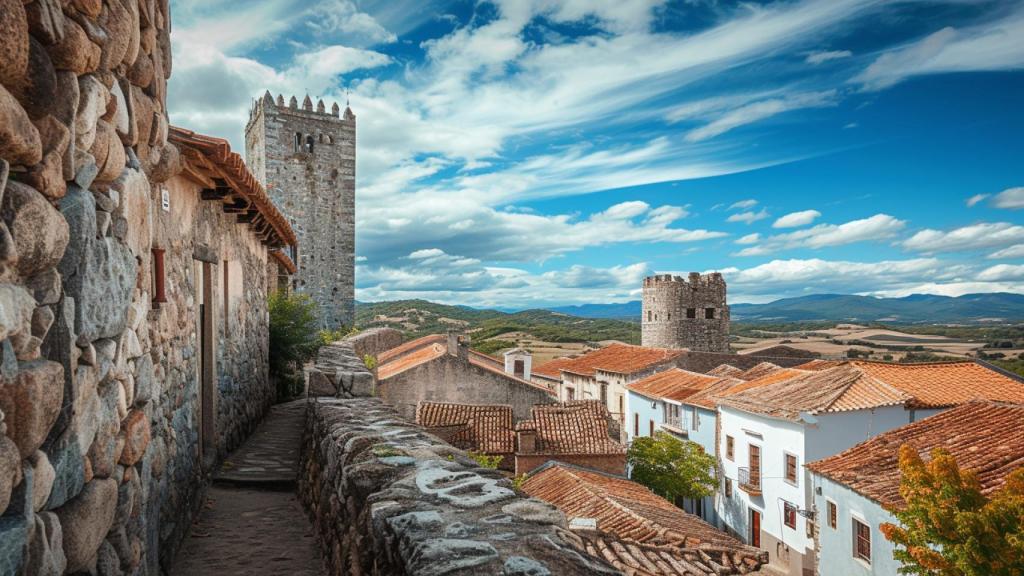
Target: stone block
10	470
13	543
40	233
43	476
69	471
45	547
137	435
19	139
31	403
86	520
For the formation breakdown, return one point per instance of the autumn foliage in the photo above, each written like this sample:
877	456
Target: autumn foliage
948	527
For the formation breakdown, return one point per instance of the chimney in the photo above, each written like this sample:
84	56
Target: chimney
526	441
456	347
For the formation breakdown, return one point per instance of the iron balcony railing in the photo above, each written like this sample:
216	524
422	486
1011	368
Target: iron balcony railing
750	483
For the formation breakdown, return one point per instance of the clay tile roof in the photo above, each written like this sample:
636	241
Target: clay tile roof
986	437
399	364
579	427
725	370
486	428
674	384
842	388
214	158
759	370
627	511
284	260
409	346
619	358
708	397
819	364
943	384
552	368
768	378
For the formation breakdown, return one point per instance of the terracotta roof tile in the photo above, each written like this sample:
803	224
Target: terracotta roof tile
986	437
409	346
579	427
819	364
214	155
630	516
639	559
759	370
486	428
842	388
708	397
674	384
725	370
552	368
399	364
941	384
619	358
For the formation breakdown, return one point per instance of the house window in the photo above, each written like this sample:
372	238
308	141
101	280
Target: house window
833	513
861	541
636	424
159	289
729	447
691	312
791	469
649	315
652	429
709	313
728	488
693	418
789	514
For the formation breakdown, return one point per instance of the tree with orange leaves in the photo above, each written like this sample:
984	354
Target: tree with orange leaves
947	527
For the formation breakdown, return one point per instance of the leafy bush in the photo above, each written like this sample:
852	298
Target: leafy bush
485	460
295	338
672	468
492	346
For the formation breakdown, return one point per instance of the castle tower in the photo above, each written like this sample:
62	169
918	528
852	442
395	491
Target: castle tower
685	313
306	160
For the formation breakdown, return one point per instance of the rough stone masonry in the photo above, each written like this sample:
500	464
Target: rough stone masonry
99	453
306	159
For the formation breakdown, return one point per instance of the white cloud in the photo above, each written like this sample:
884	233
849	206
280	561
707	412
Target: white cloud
973	237
1011	199
877	227
748	217
331	61
1002	273
973	200
796	219
1015	251
753	112
989	46
341	19
816	58
743	204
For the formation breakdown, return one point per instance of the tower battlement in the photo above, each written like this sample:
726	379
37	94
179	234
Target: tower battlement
688	312
305	156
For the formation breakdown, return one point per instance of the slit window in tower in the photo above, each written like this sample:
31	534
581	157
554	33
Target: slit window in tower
691	312
298	141
309	144
709	313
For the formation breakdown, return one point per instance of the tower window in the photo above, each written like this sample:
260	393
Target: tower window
650	315
709	313
691	312
309	144
298	142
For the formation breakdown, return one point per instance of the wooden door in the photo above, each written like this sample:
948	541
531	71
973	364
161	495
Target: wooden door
755	528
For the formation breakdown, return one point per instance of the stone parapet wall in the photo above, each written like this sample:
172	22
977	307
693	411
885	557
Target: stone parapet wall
385	497
375	340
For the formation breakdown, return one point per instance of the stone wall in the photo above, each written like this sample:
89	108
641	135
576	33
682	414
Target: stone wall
675	311
374	341
385	497
707	361
306	159
100	404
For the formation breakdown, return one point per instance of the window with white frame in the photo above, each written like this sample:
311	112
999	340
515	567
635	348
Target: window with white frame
861	540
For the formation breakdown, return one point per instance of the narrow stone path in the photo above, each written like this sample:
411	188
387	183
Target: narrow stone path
253	523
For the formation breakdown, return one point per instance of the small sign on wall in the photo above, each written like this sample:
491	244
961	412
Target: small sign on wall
165	199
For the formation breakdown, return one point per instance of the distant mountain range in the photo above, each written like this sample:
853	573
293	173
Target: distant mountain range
913	309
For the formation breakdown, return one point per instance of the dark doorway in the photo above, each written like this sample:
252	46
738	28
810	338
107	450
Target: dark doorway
207	384
519	369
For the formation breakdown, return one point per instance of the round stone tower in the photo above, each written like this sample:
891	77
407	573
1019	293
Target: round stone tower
685	312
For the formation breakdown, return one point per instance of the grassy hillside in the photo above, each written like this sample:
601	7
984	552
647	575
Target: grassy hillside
419	318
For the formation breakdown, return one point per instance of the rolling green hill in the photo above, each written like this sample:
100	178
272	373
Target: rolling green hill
418	318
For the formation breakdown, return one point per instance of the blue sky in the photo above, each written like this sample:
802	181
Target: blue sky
534	152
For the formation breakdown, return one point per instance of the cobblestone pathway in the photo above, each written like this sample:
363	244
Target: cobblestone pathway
252	523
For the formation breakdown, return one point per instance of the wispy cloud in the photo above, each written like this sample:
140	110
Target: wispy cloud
875	228
796	219
973	200
748	217
816	58
984	235
756	111
1010	199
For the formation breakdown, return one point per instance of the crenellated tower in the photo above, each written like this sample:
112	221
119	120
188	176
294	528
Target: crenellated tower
306	159
685	312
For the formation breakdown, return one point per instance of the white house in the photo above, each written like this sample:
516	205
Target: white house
855	489
768	433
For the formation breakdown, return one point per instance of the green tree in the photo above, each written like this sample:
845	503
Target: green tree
672	468
948	527
294	338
